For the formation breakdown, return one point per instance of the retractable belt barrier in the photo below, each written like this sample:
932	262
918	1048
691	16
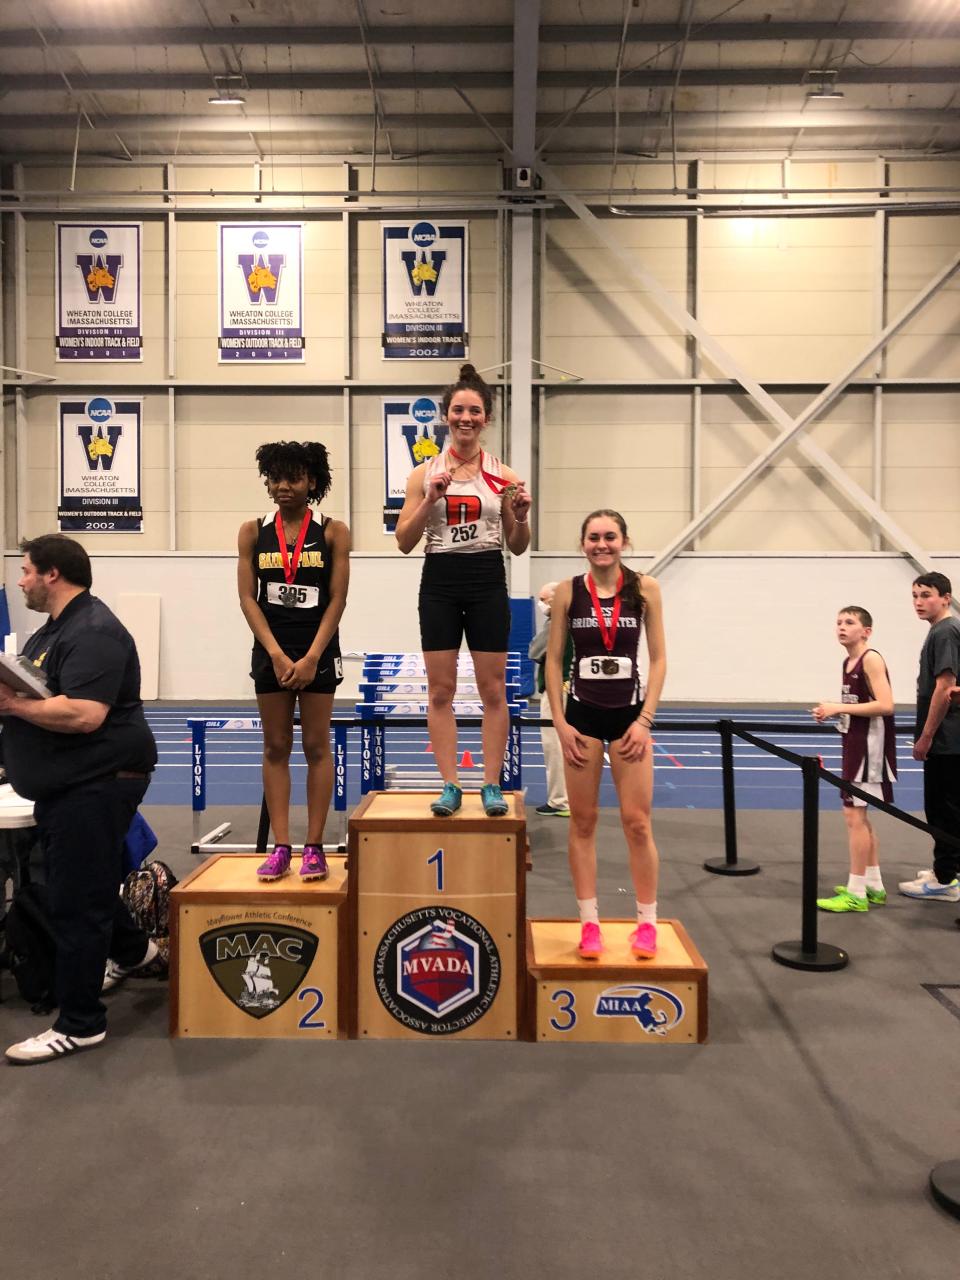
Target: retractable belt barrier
373	717
807	953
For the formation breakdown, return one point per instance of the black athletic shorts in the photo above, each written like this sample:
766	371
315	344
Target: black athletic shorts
329	668
464	593
605	723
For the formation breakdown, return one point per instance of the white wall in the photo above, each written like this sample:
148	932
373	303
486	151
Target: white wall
754	629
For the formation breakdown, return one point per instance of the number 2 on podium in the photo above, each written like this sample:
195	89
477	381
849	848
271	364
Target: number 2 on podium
438	859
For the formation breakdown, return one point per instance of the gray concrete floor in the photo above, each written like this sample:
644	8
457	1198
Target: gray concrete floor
796	1142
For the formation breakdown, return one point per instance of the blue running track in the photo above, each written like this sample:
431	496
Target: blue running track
687	764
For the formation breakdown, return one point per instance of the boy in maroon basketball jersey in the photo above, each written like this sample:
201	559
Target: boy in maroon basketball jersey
869	755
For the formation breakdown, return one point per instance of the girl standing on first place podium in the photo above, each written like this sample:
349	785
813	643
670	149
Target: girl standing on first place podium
604	611
465	501
292	576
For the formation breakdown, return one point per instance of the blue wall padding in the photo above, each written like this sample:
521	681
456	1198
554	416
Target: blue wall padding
522	629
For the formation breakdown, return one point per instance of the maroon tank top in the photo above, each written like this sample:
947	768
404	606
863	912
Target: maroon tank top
598	677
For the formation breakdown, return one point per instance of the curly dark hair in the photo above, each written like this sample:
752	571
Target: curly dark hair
288	460
469	380
631	580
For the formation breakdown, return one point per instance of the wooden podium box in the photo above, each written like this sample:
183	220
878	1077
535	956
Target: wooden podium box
438	908
258	960
616	999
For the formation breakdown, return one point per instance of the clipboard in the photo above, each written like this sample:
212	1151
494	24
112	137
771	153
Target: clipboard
21	675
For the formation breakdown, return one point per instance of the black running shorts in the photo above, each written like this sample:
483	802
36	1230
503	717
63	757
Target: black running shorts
604	723
464	594
329	669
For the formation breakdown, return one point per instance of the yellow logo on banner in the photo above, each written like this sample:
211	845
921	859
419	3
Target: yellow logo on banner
99	447
424	448
422	272
98	277
261	277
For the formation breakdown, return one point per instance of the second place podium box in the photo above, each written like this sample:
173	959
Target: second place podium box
257	960
438	908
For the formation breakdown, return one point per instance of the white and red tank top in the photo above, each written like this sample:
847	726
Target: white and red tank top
467	518
869	742
598	676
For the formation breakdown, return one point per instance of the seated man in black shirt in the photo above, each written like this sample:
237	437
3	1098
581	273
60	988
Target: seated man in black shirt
84	756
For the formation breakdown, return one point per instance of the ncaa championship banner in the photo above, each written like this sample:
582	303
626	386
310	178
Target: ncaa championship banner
413	431
261	292
100	466
424	290
98	291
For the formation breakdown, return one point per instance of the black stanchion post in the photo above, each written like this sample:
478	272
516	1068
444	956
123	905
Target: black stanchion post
729	865
945	1186
263	830
808	953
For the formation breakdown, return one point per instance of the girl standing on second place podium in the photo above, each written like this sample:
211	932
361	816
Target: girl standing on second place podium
604	611
292	576
466	501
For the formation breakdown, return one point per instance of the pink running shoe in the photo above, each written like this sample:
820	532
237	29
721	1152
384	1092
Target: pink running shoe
591	941
643	941
276	865
313	865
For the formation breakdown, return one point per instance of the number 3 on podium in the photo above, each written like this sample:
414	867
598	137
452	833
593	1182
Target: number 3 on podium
566	1008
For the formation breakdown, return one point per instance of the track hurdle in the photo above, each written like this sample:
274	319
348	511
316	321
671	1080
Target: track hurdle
213	840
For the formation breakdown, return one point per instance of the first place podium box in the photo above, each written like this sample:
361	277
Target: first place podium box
258	960
616	999
438	908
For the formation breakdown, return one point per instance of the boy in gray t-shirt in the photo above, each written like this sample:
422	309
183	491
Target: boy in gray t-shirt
938	736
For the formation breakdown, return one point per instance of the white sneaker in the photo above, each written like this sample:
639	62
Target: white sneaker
115	973
910	887
49	1045
932	891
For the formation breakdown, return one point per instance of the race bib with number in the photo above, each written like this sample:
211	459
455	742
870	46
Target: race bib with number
292	596
458	535
843	723
607	667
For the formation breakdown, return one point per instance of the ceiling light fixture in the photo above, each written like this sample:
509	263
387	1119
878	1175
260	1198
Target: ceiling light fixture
228	92
824	84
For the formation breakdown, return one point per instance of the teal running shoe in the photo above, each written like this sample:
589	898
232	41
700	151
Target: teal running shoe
491	797
448	802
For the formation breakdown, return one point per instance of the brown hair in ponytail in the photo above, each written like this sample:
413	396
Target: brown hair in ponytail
469	380
631	581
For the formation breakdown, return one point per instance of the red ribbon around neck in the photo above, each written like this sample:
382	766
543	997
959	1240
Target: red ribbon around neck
290	565
607	634
496	483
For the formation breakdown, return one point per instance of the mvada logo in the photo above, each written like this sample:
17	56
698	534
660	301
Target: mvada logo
658	1011
258	967
437	970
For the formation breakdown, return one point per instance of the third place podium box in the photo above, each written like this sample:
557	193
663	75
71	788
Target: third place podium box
257	960
438	906
615	999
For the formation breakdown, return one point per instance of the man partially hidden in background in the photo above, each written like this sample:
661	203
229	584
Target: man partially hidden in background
84	756
938	736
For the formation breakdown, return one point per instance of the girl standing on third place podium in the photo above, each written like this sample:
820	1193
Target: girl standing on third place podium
292	576
604	611
465	501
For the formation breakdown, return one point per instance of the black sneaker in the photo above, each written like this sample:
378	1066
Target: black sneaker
552	811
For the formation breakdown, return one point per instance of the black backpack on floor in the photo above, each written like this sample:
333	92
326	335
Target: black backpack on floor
31	948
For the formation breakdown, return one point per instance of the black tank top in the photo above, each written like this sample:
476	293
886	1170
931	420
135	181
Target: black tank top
293	609
603	679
